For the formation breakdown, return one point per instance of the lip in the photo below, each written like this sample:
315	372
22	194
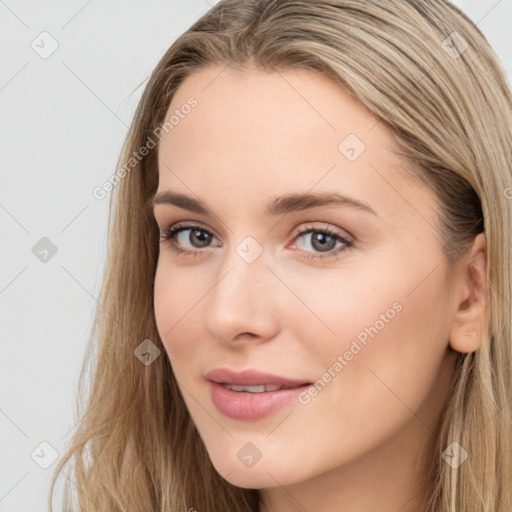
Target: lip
243	405
251	378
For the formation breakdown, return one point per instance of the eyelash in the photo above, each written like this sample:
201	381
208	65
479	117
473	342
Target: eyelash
170	235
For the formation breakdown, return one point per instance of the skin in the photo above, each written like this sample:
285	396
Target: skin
365	441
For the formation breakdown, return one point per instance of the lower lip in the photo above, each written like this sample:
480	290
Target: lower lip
241	405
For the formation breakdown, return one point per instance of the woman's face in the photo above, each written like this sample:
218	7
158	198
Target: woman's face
352	296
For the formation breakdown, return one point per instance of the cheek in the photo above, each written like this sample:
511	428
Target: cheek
176	301
373	337
379	346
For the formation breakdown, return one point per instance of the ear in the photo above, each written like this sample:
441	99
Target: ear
470	321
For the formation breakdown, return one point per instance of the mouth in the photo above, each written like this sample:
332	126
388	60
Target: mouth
251	394
252	402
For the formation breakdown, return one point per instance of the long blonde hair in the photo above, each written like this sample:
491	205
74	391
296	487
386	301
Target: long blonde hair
427	72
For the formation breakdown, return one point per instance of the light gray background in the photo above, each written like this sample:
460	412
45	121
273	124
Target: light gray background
64	118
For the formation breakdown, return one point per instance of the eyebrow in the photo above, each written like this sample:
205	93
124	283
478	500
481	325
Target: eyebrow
277	206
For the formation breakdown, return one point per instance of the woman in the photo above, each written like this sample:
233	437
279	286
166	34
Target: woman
307	303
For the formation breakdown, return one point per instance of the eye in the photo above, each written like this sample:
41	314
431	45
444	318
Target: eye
328	242
180	234
324	240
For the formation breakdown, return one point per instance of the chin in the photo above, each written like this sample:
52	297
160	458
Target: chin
261	475
248	480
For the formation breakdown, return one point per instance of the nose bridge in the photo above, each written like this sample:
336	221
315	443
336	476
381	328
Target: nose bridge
244	269
241	298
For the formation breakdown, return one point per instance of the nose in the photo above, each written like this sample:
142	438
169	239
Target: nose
242	303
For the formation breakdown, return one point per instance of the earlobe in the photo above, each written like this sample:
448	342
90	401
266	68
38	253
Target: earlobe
470	322
469	328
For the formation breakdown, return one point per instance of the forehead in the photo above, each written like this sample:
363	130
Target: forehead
270	111
257	132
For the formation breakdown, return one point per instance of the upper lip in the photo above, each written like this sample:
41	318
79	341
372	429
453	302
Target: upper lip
251	378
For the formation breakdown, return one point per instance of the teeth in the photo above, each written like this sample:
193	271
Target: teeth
253	389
